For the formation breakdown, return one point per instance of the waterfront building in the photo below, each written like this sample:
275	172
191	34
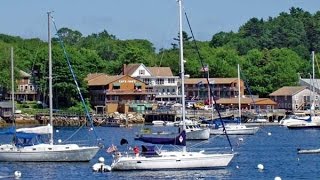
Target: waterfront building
26	88
160	80
197	88
294	98
121	93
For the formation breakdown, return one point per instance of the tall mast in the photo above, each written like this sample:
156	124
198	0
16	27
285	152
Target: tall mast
239	94
12	86
182	70
50	78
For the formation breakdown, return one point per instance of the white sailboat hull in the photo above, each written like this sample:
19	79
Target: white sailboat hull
173	160
47	153
235	130
198	134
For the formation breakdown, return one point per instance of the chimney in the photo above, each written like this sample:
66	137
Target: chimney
124	69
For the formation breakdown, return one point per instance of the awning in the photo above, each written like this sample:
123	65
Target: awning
116	84
137	84
148	105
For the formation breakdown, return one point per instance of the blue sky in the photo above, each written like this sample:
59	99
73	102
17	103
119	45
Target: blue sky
154	20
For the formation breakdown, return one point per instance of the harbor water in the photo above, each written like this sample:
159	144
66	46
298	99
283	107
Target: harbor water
274	147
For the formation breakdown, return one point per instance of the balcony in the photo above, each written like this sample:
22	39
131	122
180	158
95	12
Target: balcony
129	92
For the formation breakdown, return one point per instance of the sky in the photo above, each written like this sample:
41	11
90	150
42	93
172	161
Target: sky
153	20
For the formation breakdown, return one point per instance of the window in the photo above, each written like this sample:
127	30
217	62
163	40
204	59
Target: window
160	81
147	81
142	72
171	81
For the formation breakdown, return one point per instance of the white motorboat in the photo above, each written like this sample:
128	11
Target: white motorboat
293	119
28	144
177	159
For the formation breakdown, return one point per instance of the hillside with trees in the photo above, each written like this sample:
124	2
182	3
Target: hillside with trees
270	52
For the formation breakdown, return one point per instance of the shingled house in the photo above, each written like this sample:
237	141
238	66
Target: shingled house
294	98
120	93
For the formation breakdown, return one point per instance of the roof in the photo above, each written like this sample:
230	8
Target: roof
246	100
24	74
160	71
92	76
288	91
130	68
103	80
155	71
214	80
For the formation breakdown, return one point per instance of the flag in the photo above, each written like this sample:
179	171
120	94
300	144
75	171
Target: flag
204	69
112	149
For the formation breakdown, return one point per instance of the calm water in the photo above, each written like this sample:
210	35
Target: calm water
277	152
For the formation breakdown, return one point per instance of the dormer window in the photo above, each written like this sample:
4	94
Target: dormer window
142	72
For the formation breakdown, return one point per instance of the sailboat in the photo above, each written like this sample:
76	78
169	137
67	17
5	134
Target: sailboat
176	159
313	121
235	129
29	144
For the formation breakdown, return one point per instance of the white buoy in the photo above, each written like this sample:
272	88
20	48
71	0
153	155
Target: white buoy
17	174
91	129
277	178
237	167
240	139
260	166
59	141
269	133
57	130
101	160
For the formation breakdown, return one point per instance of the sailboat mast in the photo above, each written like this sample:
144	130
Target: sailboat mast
12	86
239	94
50	78
313	76
182	69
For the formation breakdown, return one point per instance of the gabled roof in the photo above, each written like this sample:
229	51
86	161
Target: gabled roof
214	80
24	74
288	91
92	76
154	71
103	80
160	71
246	100
130	68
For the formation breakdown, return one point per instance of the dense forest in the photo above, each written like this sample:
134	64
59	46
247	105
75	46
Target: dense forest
271	53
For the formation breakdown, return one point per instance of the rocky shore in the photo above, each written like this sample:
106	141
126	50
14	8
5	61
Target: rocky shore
64	120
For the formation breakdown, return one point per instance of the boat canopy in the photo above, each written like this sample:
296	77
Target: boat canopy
179	140
8	131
